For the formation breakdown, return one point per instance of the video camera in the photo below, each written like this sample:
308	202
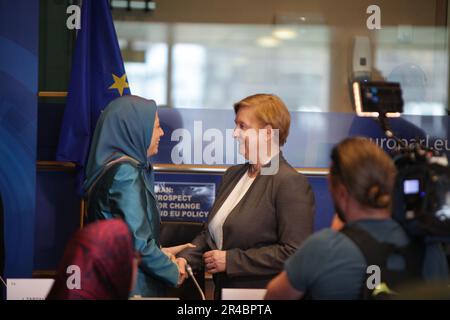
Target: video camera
421	200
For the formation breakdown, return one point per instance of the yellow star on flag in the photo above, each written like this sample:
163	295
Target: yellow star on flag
119	83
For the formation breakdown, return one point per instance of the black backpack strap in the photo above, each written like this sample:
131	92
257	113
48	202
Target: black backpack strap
369	247
378	253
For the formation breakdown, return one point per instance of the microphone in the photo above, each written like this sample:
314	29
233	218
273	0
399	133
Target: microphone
191	274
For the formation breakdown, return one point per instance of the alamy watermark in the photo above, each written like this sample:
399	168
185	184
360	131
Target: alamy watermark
74	277
374	280
211	147
74	20
374	20
234	146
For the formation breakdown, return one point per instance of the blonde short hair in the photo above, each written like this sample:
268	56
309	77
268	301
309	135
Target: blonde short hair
270	110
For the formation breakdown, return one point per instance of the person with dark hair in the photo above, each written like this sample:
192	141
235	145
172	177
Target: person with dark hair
334	265
98	264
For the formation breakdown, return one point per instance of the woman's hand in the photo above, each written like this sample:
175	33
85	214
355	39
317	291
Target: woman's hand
169	251
215	261
168	254
183	275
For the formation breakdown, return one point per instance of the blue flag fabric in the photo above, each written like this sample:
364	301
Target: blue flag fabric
97	77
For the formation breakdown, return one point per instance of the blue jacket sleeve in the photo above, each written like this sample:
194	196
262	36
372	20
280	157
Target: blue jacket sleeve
128	198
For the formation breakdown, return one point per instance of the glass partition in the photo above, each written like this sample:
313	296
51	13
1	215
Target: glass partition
204	56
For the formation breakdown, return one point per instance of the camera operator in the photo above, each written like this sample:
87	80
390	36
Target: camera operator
330	264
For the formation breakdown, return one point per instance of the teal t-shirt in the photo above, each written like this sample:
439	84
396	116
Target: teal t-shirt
330	266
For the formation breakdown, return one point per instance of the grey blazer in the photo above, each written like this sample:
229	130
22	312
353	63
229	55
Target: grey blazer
266	227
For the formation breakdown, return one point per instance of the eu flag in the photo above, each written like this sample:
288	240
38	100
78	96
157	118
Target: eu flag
97	77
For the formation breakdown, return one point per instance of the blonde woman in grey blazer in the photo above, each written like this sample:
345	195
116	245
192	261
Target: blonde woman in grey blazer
264	209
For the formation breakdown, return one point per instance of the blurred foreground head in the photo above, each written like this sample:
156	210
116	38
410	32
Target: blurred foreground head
101	255
361	174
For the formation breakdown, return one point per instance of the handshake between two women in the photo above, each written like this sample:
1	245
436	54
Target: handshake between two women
214	260
181	263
